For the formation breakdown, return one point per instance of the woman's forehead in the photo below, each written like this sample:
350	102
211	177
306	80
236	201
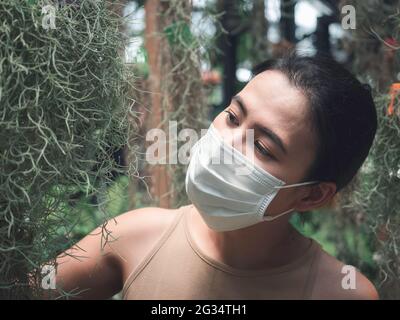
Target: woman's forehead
271	94
272	101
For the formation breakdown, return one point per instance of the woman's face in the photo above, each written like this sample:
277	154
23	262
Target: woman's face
284	142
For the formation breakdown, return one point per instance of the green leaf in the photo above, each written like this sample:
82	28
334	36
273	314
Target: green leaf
179	33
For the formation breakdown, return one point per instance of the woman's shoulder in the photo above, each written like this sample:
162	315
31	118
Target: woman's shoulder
336	280
148	222
136	232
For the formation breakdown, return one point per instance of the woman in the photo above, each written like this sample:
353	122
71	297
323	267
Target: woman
313	124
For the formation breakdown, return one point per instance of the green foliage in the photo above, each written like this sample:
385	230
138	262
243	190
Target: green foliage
340	237
90	215
376	61
64	110
182	91
179	33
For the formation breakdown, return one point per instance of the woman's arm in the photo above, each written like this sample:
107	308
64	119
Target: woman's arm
90	268
95	268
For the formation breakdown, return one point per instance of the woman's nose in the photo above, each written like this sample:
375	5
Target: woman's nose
242	139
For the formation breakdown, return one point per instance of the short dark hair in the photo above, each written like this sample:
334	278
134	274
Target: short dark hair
342	110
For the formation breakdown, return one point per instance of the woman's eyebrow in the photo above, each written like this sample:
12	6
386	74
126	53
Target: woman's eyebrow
268	132
274	137
240	103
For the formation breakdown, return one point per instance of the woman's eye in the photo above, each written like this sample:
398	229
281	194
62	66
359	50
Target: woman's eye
232	118
262	150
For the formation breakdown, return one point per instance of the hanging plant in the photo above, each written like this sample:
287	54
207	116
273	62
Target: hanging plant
64	96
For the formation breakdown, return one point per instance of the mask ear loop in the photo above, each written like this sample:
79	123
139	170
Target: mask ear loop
271	218
296	184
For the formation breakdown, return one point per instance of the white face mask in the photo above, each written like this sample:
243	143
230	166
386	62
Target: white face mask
226	200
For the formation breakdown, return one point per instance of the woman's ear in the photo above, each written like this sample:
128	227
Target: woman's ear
316	196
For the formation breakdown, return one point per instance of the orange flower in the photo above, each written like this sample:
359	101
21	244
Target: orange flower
394	90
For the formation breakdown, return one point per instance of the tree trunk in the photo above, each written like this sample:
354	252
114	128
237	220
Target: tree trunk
228	45
259	30
160	180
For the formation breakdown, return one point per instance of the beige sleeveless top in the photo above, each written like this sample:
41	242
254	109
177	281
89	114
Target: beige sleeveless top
176	268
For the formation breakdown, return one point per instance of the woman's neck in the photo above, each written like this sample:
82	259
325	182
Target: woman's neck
263	245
